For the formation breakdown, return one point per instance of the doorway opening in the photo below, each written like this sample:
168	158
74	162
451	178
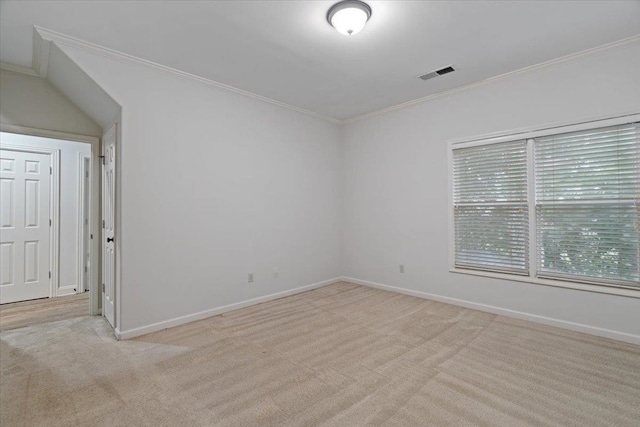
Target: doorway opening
49	216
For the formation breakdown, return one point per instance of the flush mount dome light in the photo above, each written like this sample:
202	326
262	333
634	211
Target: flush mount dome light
349	16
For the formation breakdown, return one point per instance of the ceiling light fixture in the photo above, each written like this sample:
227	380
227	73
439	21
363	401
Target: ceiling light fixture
349	16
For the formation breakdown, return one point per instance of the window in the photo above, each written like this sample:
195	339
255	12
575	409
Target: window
551	206
490	207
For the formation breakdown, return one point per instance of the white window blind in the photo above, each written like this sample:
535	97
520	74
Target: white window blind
587	205
491	214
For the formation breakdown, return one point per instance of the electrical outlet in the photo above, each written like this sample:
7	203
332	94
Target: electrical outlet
402	268
275	272
250	277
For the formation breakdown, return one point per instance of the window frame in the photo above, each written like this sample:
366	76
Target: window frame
529	135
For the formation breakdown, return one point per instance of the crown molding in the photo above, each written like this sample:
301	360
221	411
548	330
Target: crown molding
609	47
43	36
18	69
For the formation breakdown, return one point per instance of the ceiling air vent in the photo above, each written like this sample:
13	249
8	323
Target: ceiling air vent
436	73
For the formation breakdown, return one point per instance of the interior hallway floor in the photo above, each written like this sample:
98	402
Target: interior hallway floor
34	312
342	355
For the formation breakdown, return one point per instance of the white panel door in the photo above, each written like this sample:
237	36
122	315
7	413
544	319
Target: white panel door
108	218
25	187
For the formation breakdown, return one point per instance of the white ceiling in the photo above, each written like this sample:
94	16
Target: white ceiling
285	50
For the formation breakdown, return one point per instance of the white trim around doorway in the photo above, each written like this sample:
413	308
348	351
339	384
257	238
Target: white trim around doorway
94	291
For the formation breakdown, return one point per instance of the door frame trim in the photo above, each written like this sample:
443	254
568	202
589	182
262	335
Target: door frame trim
54	208
94	141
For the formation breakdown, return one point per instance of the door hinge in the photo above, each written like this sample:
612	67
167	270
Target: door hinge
103	288
49	222
51	171
92	237
86	174
85	269
103	223
49	275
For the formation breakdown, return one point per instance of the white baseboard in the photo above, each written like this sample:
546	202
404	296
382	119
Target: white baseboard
170	323
578	327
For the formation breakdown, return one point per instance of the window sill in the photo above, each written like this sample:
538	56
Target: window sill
602	289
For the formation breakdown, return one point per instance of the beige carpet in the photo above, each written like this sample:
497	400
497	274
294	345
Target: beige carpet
343	355
45	310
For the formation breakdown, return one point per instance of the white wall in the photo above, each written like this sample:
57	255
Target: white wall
33	102
215	185
69	208
396	209
78	87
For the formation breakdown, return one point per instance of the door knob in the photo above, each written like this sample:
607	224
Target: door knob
109	239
